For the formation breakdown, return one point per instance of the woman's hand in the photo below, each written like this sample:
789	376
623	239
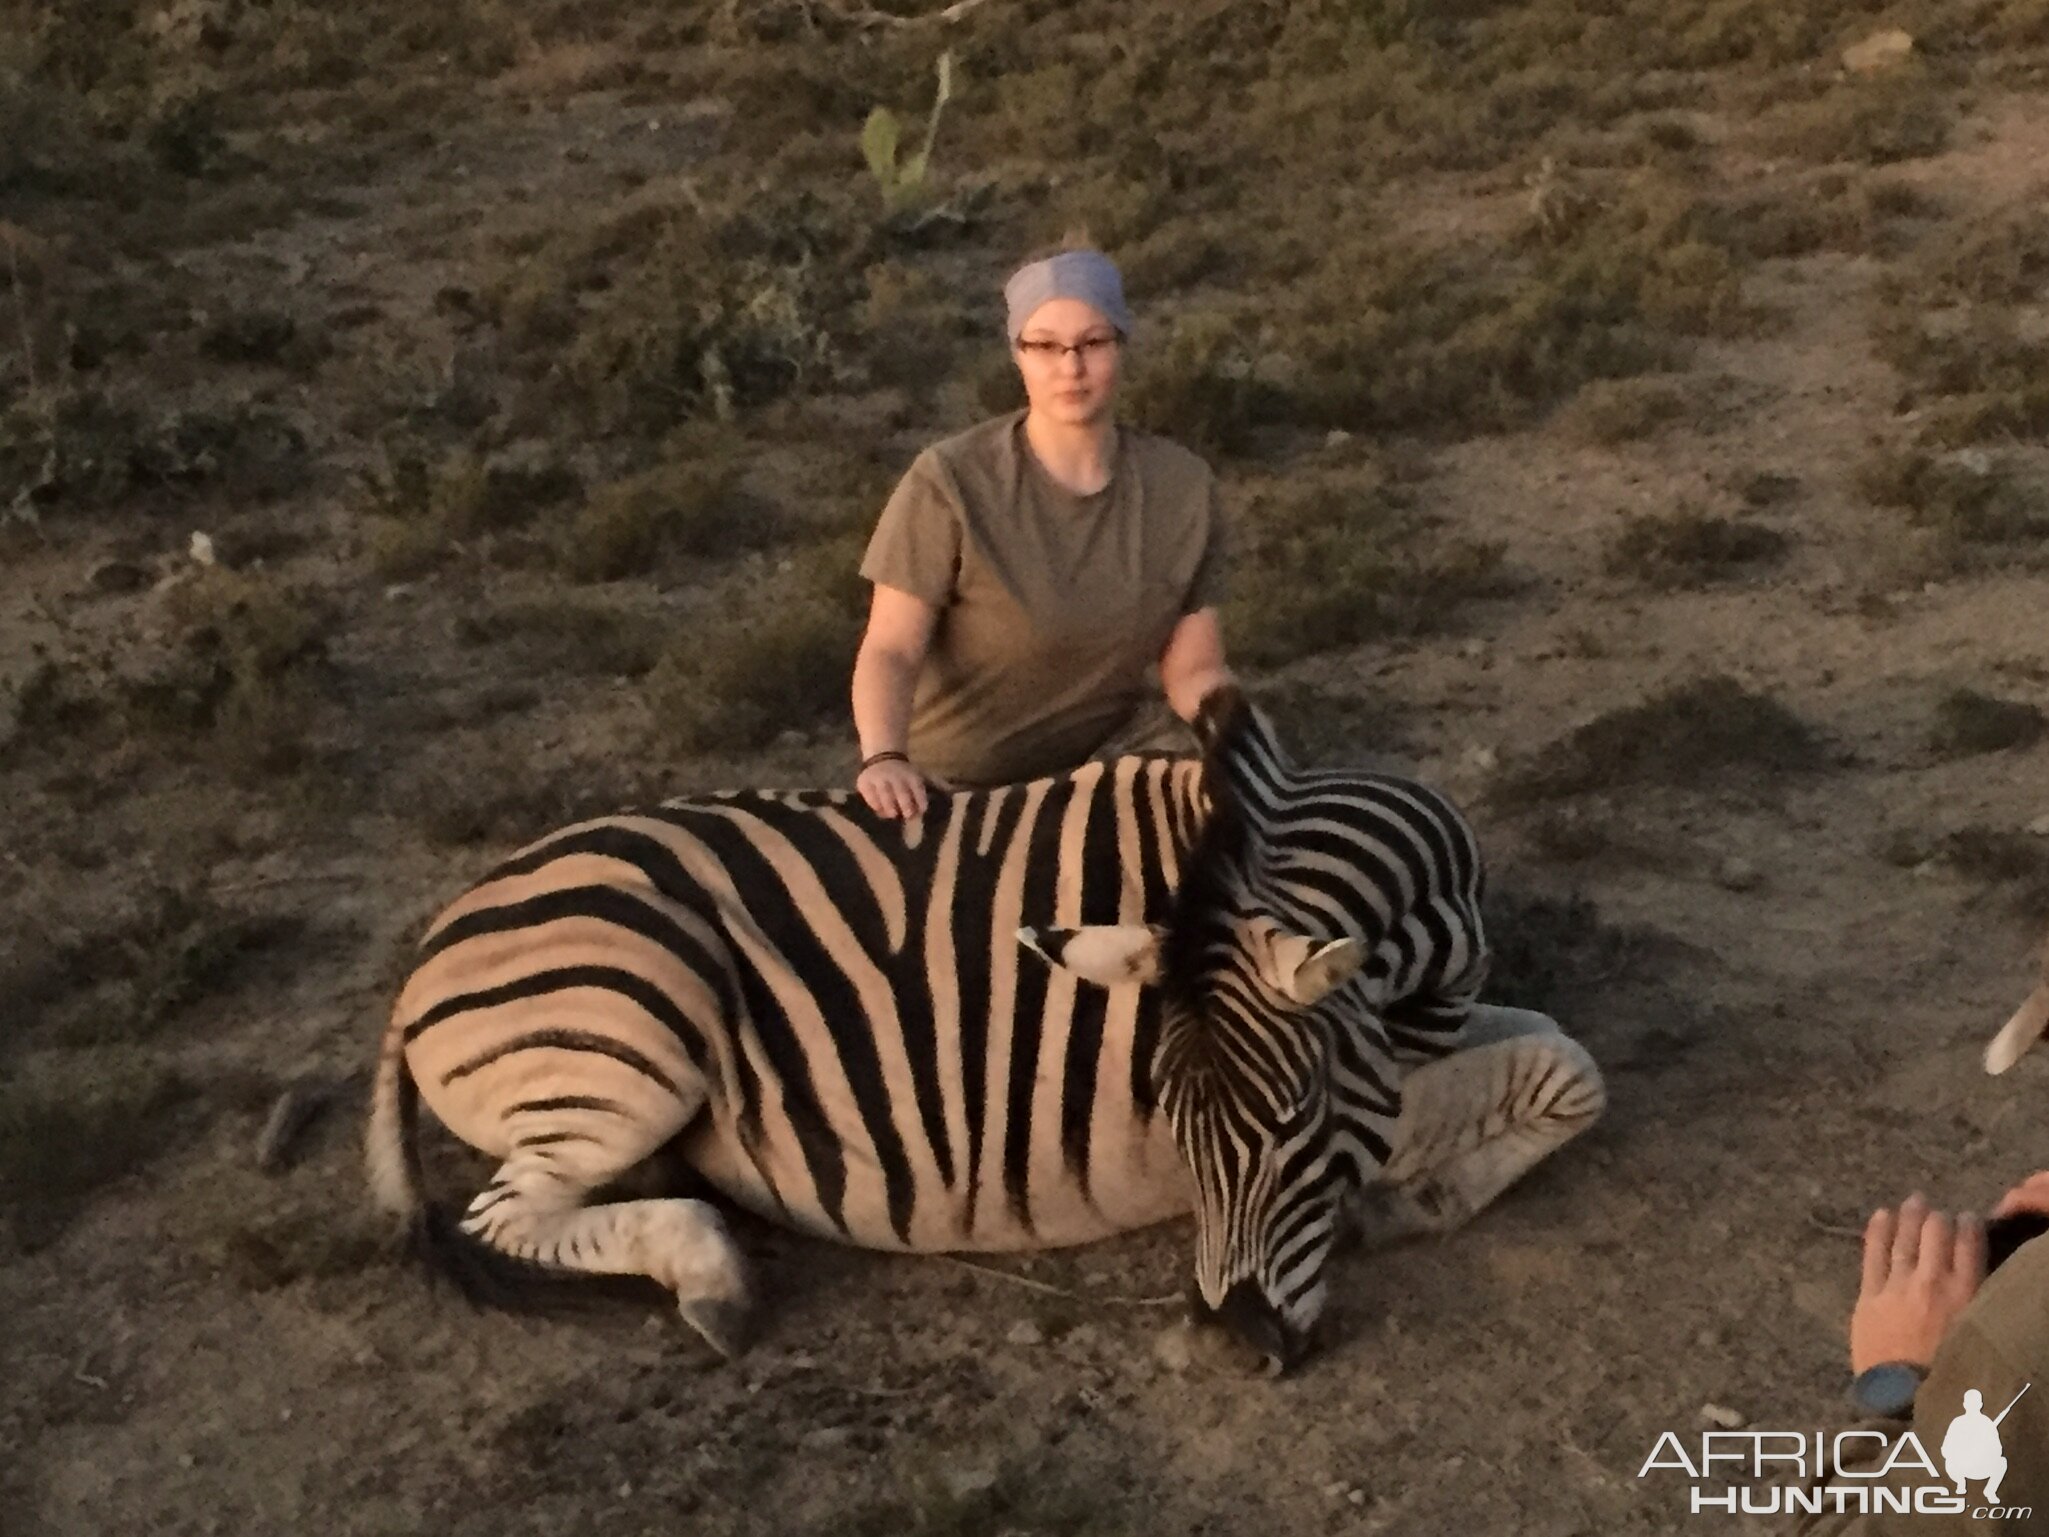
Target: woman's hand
1920	1271
892	788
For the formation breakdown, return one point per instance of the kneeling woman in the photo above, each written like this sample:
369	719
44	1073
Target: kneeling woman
1030	571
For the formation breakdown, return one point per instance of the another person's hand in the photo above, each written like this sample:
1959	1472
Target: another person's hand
2031	1194
892	789
1921	1269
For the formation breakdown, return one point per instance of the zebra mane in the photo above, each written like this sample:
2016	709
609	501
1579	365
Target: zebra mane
1243	764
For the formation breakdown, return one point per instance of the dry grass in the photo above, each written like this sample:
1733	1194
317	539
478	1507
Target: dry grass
567	635
1550	952
1612	411
1327	569
1968	723
1904	116
778	657
1693	549
1966	499
1710	733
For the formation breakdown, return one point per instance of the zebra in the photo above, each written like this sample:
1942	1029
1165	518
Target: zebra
1260	1001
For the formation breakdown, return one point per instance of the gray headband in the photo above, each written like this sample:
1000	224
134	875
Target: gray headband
1089	276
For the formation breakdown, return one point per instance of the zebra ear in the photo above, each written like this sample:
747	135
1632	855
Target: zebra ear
1309	972
1113	954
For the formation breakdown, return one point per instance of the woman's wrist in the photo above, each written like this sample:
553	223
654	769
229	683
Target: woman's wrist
887	755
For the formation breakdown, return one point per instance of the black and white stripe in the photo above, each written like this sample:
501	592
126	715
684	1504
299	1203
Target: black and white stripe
832	1016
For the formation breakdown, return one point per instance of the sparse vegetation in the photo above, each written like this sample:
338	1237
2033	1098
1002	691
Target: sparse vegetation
778	657
1902	116
2014	863
1693	548
1968	722
1338	567
1612	411
67	1134
1707	733
1551	950
1967	498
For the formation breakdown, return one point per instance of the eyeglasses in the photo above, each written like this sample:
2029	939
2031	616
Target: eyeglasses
1088	349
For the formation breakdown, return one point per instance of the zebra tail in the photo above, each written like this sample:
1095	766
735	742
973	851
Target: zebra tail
391	1141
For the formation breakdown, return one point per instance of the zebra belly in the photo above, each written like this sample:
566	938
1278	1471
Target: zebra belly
1133	1181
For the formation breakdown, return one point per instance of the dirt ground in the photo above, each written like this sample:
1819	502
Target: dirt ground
1784	923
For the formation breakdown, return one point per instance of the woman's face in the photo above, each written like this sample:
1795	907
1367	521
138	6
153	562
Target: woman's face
1068	354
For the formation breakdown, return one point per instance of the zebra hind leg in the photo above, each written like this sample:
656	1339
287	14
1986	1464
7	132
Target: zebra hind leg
1474	1122
533	1213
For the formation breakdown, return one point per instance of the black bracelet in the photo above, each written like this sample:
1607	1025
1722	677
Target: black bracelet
874	758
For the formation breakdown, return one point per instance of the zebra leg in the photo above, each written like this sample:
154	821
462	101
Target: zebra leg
533	1211
1474	1122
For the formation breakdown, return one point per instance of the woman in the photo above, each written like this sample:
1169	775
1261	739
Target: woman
1030	571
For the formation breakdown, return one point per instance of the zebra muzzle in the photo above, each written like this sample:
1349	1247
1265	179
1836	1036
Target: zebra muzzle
1253	1326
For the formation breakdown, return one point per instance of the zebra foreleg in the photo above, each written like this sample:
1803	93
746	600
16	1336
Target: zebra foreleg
533	1212
1474	1122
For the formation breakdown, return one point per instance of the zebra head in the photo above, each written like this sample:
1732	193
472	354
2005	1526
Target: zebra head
1250	1051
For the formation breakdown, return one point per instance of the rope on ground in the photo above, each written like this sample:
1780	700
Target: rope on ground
1164	1300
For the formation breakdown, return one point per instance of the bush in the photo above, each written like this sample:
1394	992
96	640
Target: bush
687	507
1968	722
1700	733
1340	566
1612	411
1966	498
781	659
668	310
1692	549
1903	116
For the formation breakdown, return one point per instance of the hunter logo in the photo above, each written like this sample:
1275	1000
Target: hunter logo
1773	1472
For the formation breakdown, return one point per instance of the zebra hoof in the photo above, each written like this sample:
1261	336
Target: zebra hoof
728	1327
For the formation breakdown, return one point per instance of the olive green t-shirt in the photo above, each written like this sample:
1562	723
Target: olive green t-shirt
1053	607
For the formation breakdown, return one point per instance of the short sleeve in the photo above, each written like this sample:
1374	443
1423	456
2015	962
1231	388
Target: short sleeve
1206	590
916	544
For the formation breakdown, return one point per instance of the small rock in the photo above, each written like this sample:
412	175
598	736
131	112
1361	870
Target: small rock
1335	1489
1337	437
1738	874
1473	649
626	1491
1356	1496
1881	50
1479	759
398	591
118	576
790	738
201	549
965	1483
1171	1348
1025	1332
2040	826
1973	461
1722	1417
826	1437
187	1460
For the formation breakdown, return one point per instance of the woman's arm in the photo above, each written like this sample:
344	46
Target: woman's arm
1192	664
886	670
